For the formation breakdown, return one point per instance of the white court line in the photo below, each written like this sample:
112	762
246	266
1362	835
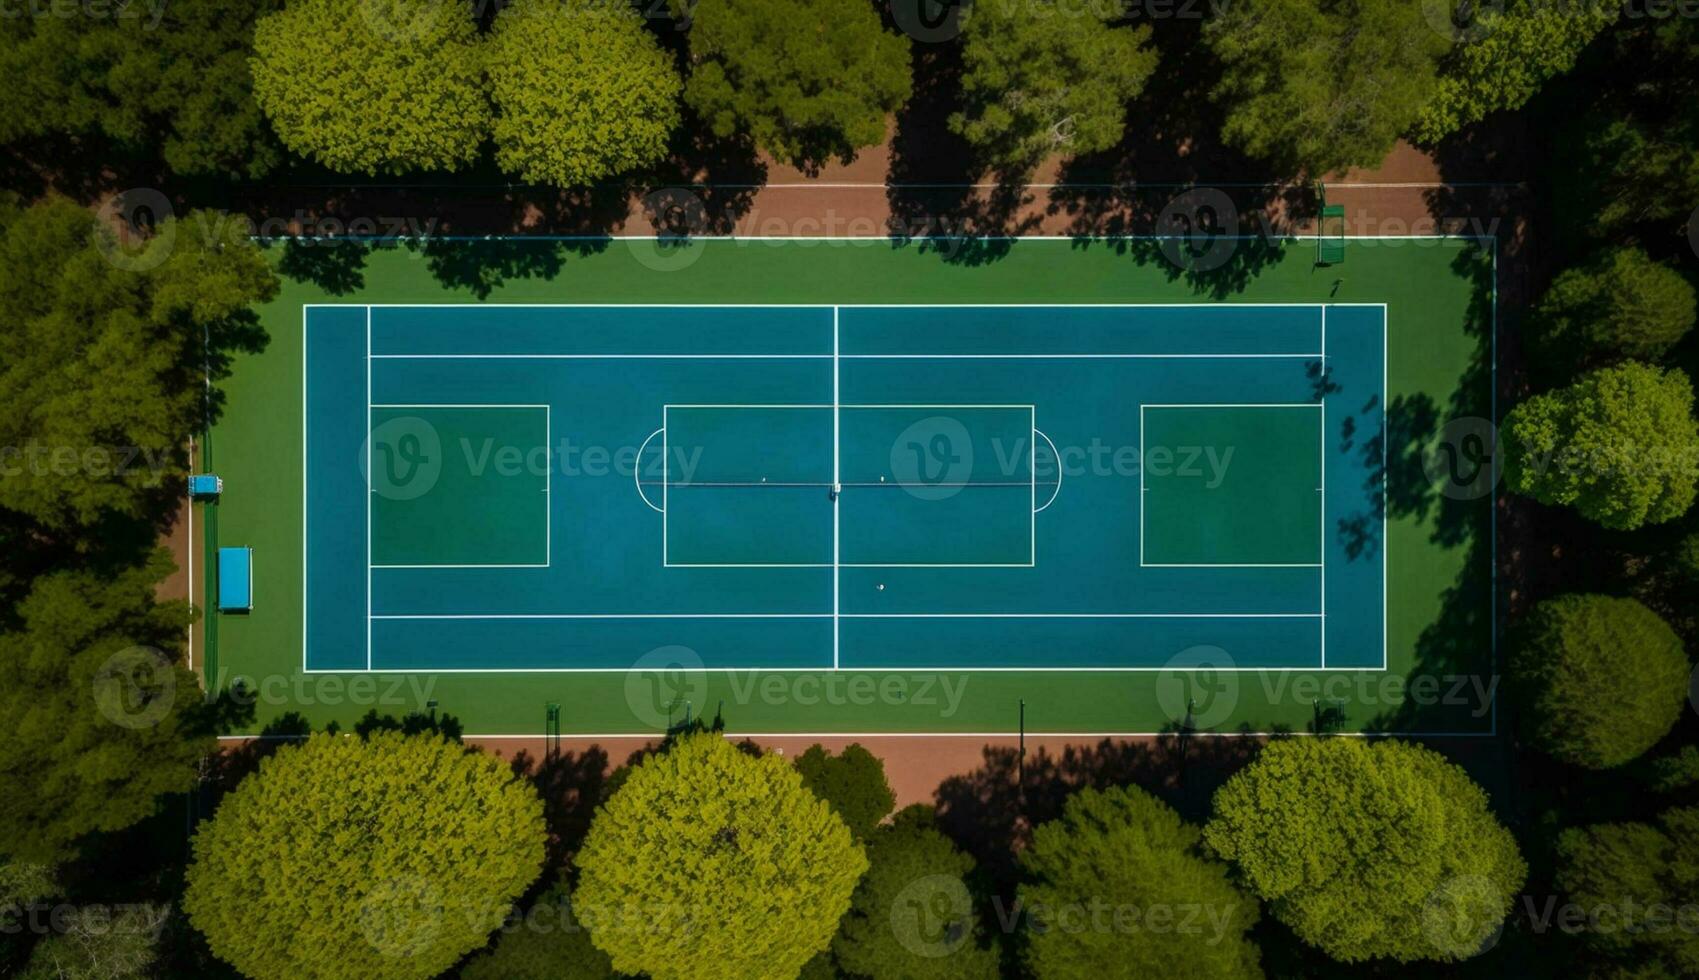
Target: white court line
464	565
1382	306
371	460
306	596
837	481
482	616
827	357
543	406
1323	491
601	357
850	306
1072	357
637	471
1058	458
823	407
1244	564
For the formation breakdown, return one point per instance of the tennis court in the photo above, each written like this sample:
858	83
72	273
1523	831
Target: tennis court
508	488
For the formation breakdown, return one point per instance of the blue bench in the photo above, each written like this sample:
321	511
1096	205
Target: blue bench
205	485
235	579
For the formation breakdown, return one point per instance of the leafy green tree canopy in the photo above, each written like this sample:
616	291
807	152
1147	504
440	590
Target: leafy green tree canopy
807	80
712	864
374	86
346	858
1315	85
581	89
1601	679
1631	869
166	78
1670	773
546	943
913	915
1631	157
1369	849
1619	304
1043	77
1505	55
98	945
1619	445
100	715
102	365
853	782
1106	883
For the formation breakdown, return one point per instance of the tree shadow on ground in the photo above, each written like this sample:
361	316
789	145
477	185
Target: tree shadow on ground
572	785
991	811
1168	176
943	201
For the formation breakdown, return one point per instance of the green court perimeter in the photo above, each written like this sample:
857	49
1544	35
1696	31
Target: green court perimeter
850	488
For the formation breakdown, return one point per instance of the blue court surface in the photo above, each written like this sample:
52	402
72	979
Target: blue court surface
560	488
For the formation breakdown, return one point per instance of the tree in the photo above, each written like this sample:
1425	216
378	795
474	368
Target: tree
1619	304
397	855
1685	557
100	715
807	80
581	89
1043	78
1316	86
913	915
97	943
853	782
1619	445
1629	871
374	86
106	357
1631	157
1368	849
711	863
1601	679
1119	853
1670	773
171	79
1505	57
547	943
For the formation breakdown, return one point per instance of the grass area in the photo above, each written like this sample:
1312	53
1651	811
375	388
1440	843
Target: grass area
1440	622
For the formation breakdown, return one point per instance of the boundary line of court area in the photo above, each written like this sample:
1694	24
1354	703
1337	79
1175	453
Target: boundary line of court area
836	357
